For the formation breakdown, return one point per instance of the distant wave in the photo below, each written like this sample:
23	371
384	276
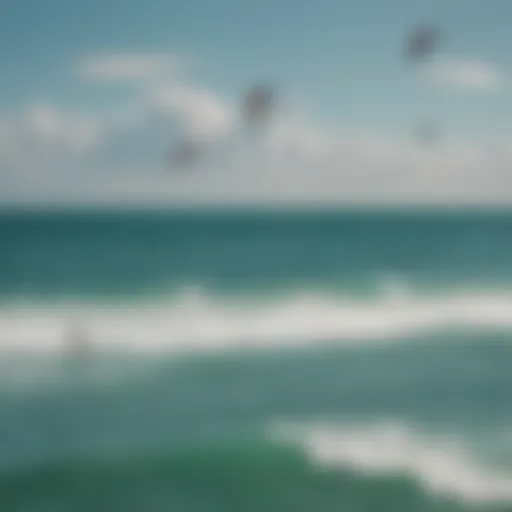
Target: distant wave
197	320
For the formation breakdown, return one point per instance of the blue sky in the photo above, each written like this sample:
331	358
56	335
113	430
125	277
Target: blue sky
92	93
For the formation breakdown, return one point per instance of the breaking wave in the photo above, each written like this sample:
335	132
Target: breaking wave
196	320
297	468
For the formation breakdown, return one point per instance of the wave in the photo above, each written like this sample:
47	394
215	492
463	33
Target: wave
328	469
196	320
443	466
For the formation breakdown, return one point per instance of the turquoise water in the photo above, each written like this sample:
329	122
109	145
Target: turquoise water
333	361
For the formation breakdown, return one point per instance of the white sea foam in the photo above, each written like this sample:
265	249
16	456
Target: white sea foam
443	465
199	321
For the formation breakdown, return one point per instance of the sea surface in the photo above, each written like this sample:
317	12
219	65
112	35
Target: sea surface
255	361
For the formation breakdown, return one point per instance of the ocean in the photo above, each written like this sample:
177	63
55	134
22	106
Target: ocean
209	361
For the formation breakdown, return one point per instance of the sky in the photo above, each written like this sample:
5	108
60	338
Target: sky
94	94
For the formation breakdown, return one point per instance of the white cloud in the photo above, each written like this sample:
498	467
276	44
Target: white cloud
200	113
72	131
299	140
43	139
128	67
474	75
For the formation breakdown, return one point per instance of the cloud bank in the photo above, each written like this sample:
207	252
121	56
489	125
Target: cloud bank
49	154
130	67
474	75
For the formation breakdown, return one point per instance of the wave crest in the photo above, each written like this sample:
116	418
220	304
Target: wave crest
196	320
442	466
